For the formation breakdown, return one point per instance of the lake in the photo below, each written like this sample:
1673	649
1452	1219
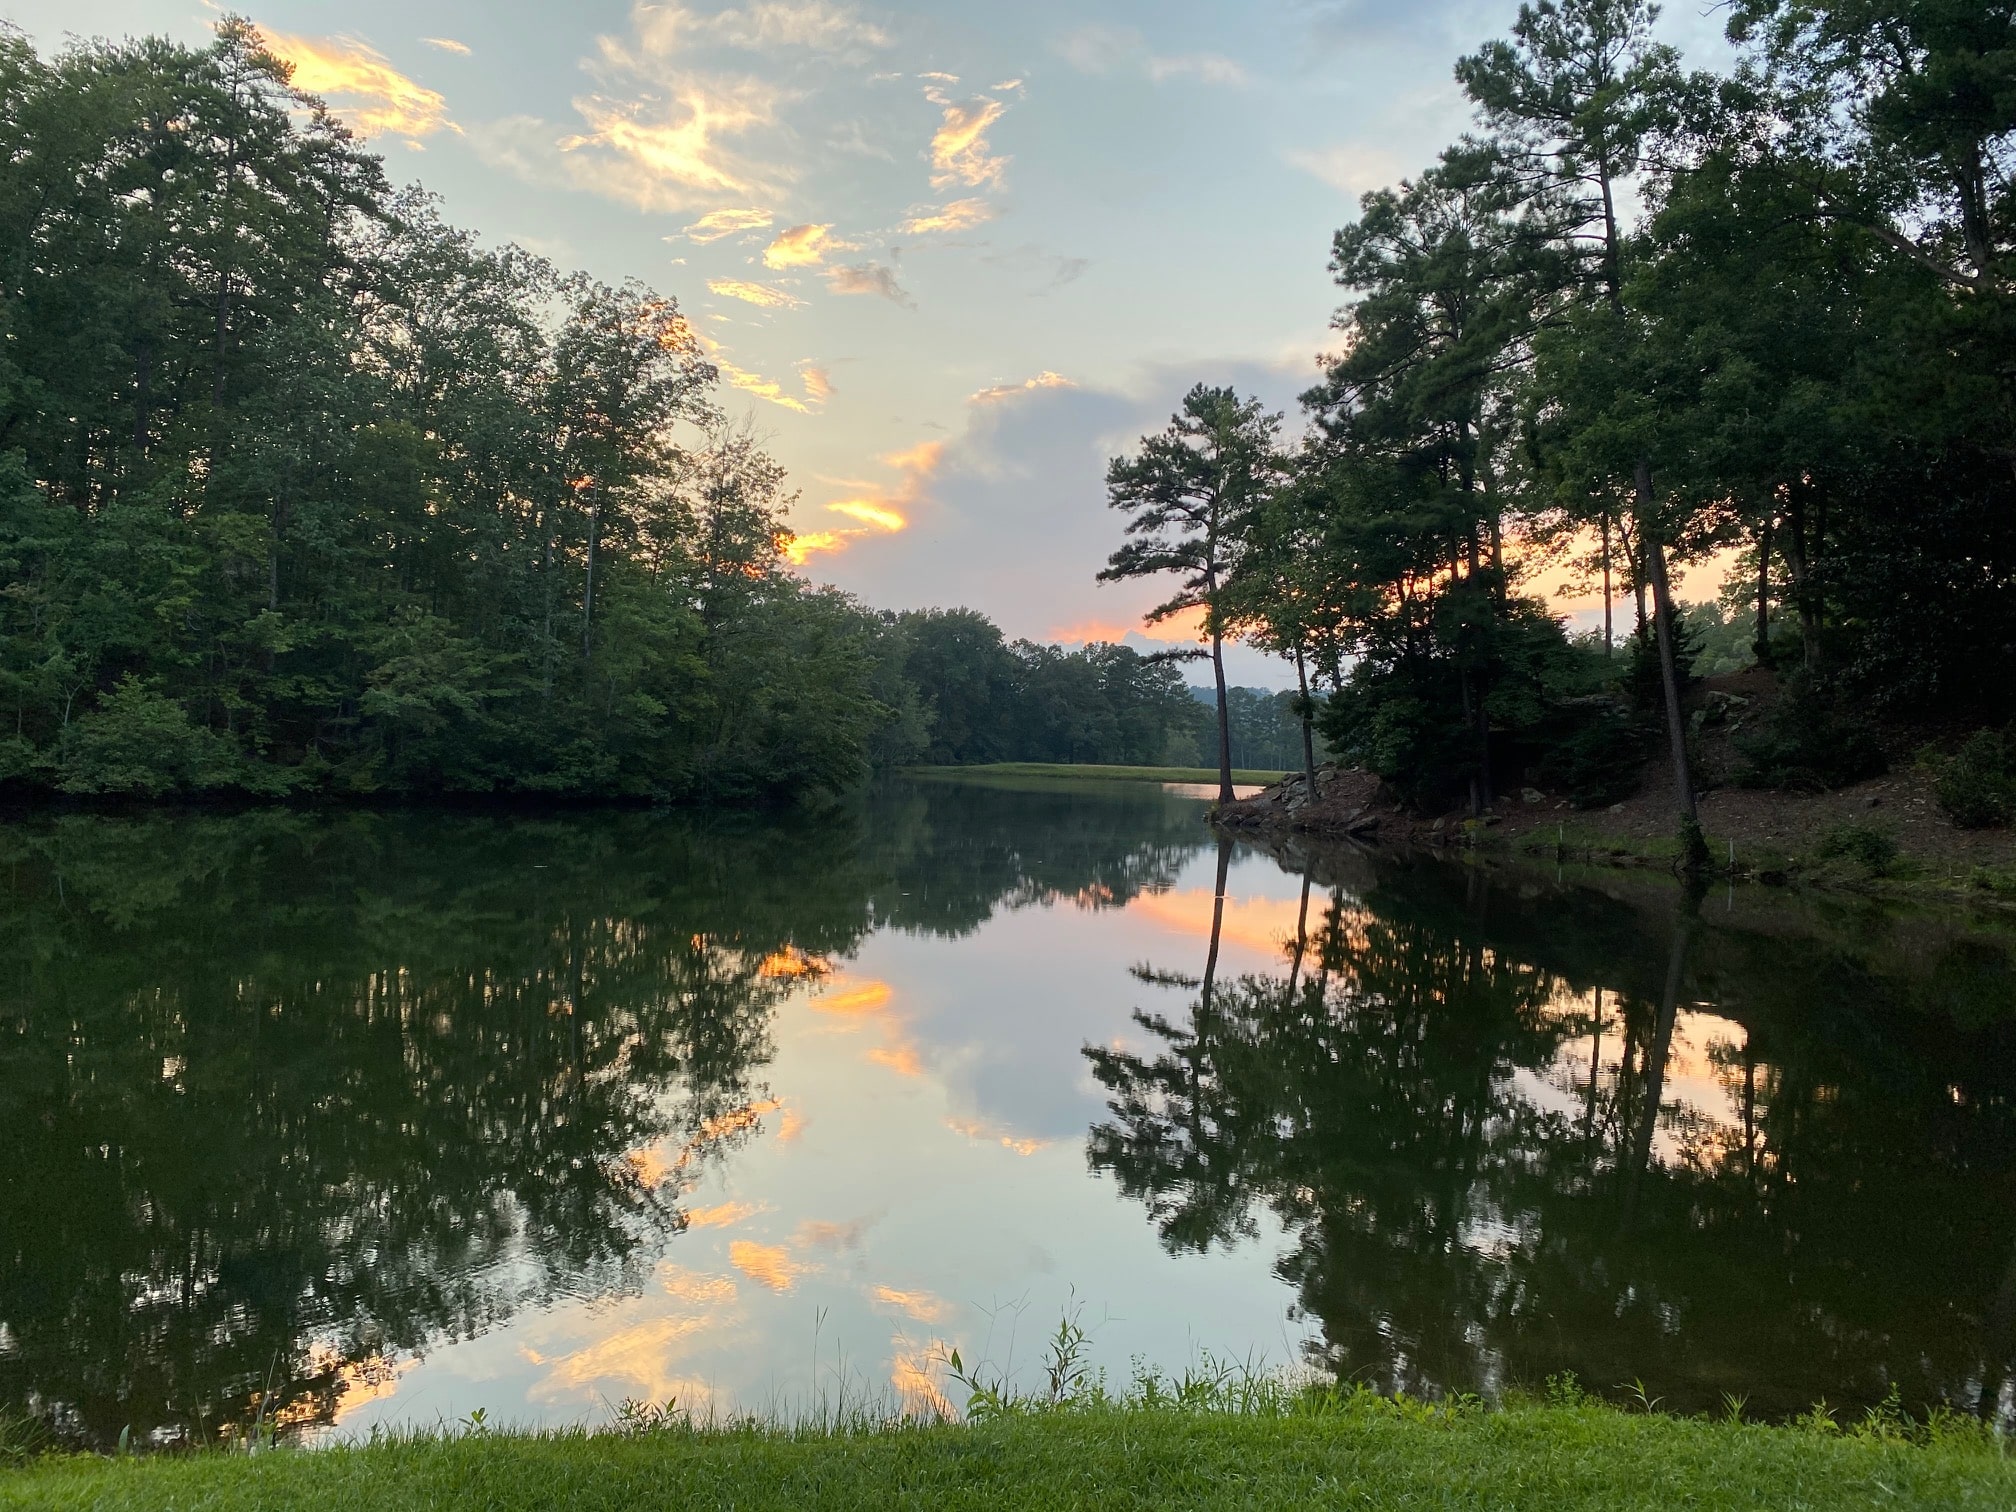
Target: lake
385	1119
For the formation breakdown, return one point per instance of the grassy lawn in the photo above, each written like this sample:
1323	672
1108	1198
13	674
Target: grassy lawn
1245	777
1551	1458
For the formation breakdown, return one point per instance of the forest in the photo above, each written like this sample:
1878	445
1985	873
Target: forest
305	491
1643	317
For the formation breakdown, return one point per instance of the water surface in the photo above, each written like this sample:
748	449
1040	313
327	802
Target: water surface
387	1118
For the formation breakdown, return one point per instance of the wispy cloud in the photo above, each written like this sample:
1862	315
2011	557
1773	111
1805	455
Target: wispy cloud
959	215
868	278
716	224
1352	168
765	26
363	87
447	45
667	153
818	382
1100	49
763	388
960	153
881	512
1043	380
1206	68
768	1265
754	293
803	247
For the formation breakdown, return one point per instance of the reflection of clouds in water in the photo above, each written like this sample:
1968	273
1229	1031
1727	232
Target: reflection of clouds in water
855	1002
637	1360
913	1371
920	1305
973	1128
723	1215
768	1265
1258	923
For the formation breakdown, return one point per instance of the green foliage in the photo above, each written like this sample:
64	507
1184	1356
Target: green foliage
1814	738
1977	784
305	490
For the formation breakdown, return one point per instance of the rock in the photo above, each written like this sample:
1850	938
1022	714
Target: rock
1616	808
1872	801
1532	795
1436	827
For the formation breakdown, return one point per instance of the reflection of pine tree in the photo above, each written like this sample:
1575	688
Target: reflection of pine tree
1458	1223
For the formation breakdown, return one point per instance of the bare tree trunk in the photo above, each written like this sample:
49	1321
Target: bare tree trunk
1761	647
594	542
1609	632
1308	722
1654	550
1224	718
1655	1064
1217	919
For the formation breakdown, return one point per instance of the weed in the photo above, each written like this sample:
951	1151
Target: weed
1864	845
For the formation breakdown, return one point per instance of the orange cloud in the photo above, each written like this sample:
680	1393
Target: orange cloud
960	215
902	1059
834	1236
716	224
790	1126
342	69
757	384
974	1129
789	964
1043	380
638	1356
447	45
818	383
922	1306
726	1215
1092	632
870	513
1177	629
910	1372
802	247
762	295
869	1003
666	155
859	1002
868	278
768	1265
959	150
690	1286
879	515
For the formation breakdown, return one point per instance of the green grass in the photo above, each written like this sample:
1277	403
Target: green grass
1243	776
1364	1453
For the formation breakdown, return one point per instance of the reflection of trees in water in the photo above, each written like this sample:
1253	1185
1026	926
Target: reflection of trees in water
284	1096
1469	1205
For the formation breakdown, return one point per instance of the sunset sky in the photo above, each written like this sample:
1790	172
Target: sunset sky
952	257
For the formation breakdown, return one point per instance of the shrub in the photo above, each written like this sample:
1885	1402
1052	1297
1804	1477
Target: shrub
1593	755
138	742
1810	740
1977	786
1868	847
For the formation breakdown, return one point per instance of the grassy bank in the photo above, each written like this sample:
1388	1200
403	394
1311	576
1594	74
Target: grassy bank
1243	776
1374	1455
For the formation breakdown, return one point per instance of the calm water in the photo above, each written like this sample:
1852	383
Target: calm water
405	1116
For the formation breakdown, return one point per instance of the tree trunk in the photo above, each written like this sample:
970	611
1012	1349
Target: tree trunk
1761	647
1224	718
1656	1055
1308	723
1217	919
1609	632
1666	630
594	542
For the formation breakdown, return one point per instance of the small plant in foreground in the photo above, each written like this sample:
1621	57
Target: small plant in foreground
1977	785
1873	849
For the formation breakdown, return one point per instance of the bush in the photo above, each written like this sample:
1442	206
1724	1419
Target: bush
138	742
1977	787
1810	741
1593	755
1868	847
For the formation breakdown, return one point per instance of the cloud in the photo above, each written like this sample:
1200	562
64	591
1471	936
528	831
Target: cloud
868	278
1103	50
725	1215
975	1129
910	1373
1043	380
765	26
959	215
960	153
448	45
818	382
920	1305
716	224
1206	68
816	1234
768	1265
755	383
666	154
373	96
802	247
942	78
886	512
1352	168
754	293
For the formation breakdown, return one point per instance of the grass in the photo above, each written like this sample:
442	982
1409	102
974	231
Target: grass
1243	776
1350	1449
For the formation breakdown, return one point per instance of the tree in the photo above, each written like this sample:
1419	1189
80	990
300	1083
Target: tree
1191	494
1575	99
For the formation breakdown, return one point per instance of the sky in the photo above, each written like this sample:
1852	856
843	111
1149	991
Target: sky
951	257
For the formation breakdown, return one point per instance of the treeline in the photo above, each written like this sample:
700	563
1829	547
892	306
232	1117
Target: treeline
1640	317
